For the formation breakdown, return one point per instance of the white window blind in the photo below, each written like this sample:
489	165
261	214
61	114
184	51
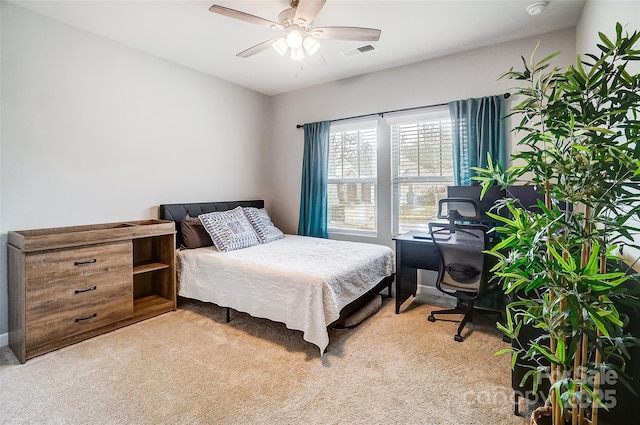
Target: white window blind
422	168
352	180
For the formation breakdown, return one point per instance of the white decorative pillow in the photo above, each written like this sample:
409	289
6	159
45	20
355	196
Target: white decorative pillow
261	222
229	230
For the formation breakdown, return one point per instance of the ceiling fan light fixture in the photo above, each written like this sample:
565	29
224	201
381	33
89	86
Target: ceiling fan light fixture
310	45
294	39
281	46
297	54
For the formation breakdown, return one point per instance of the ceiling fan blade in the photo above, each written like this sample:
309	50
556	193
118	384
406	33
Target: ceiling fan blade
236	14
307	10
317	60
346	33
261	47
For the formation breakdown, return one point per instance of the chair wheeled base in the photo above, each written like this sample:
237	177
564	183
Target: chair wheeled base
469	313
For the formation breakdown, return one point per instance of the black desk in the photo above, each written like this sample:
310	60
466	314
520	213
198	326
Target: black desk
413	254
421	253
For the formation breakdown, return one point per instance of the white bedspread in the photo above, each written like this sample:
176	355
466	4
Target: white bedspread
301	281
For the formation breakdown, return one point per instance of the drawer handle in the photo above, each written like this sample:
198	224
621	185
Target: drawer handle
79	291
82	319
79	263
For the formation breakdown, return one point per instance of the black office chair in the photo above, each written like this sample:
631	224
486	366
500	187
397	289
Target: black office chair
463	271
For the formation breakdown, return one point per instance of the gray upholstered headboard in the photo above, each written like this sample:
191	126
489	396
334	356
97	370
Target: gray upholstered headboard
177	212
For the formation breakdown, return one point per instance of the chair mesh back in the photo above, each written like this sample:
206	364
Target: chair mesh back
463	261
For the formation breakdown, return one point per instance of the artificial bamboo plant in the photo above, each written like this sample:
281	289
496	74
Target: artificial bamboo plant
579	143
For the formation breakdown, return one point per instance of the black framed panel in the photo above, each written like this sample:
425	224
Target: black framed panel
177	212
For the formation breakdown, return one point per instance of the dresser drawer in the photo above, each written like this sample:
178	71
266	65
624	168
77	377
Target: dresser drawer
51	266
44	302
65	309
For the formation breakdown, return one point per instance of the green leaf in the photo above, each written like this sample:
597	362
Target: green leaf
606	41
505	330
569	266
546	353
618	30
599	324
504	243
533	53
592	264
560	351
514	359
601	130
533	373
504	351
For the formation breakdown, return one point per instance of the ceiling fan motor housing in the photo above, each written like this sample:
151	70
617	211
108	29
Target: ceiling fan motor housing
287	17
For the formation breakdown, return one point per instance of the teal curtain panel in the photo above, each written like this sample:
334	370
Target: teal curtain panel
315	168
477	130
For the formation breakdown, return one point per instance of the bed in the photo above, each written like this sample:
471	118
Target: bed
309	284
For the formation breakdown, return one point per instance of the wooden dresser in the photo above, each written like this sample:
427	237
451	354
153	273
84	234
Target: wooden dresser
71	283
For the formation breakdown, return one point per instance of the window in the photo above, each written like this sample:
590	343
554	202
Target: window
422	168
352	181
403	185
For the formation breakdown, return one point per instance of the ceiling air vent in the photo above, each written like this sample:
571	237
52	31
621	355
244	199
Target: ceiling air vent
358	50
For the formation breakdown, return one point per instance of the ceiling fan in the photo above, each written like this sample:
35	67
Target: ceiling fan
300	37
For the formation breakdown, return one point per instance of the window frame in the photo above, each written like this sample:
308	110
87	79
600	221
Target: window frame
343	127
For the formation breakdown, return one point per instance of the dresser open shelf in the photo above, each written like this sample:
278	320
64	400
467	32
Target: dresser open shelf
68	284
153	274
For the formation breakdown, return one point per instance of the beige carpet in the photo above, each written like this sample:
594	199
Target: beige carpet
190	367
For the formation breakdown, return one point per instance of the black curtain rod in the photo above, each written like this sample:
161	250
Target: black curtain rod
381	114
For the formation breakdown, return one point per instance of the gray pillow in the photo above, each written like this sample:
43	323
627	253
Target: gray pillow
261	222
194	234
229	230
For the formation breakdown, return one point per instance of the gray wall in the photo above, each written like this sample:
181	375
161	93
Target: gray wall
93	132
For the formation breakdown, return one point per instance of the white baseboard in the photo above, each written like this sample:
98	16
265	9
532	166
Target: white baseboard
429	290
4	339
436	296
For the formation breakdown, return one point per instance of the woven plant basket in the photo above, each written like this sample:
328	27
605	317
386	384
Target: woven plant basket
542	416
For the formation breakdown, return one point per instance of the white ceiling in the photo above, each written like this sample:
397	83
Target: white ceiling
185	32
